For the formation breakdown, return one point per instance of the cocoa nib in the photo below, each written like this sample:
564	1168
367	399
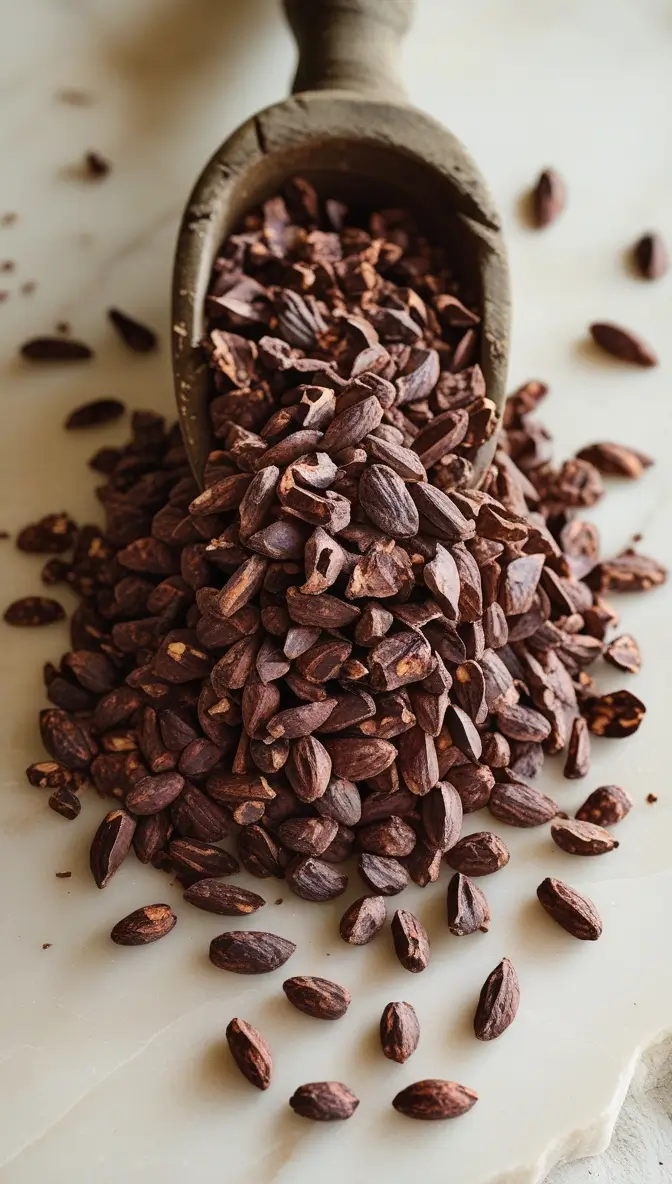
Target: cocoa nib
570	909
433	1100
317	997
250	953
498	1002
250	1052
324	1101
399	1031
145	925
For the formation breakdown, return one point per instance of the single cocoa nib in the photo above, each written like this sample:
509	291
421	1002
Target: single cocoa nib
55	349
605	806
399	1031
478	854
96	412
650	256
411	943
136	336
314	879
324	1101
548	198
317	997
250	952
615	715
384	875
227	900
250	1052
623	652
468	910
110	846
433	1100
498	1002
363	920
521	805
577	762
573	912
581	838
145	925
622	344
33	610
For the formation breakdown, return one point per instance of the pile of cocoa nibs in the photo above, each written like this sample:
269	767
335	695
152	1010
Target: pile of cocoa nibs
339	647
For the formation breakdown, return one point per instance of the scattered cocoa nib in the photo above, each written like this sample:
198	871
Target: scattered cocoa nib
145	925
136	336
317	997
573	912
96	166
363	920
250	953
498	1002
468	910
33	610
63	875
324	1101
55	349
623	652
652	798
605	806
411	943
650	256
433	1100
548	198
94	413
338	647
399	1031
250	1052
581	838
616	460
622	344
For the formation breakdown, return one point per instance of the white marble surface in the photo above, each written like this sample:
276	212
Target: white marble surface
111	1061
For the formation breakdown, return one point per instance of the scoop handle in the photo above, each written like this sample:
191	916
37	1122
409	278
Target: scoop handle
350	45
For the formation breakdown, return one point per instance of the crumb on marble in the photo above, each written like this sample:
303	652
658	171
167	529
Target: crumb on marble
75	97
4	534
279	900
63	875
8	219
7	265
95	166
46	945
63	327
28	288
637	538
651	798
4	295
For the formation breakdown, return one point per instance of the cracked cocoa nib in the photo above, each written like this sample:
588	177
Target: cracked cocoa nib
337	645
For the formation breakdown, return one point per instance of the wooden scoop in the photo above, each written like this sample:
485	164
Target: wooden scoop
348	128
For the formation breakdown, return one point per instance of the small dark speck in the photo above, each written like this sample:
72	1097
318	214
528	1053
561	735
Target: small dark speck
74	98
7	265
279	900
651	798
328	954
46	945
4	296
28	288
637	538
8	219
63	327
63	875
4	534
95	165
